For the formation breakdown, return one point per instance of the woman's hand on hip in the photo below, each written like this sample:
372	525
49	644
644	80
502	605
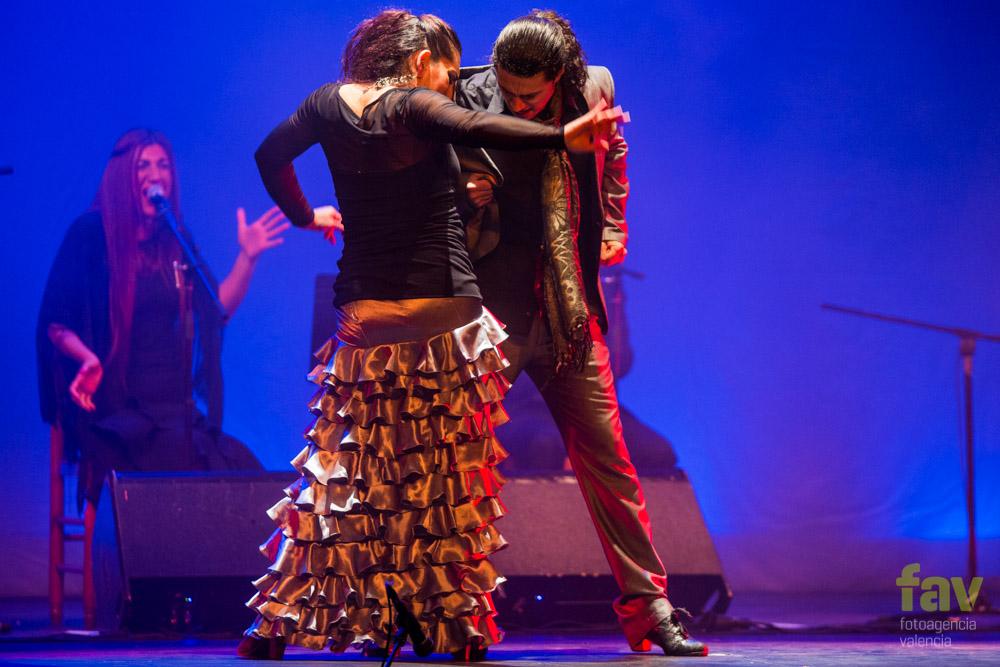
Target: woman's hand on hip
328	220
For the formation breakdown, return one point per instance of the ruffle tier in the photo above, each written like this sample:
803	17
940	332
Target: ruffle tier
398	485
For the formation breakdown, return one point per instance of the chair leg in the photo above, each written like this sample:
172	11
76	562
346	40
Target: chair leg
56	547
89	593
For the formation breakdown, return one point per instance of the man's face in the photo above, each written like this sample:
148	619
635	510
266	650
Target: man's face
526	96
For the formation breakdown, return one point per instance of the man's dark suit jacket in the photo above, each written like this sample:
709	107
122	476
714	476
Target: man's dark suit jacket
607	189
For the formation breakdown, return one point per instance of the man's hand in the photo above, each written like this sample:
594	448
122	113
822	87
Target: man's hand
612	252
479	189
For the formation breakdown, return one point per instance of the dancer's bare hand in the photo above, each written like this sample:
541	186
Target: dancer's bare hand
590	132
86	382
327	219
261	234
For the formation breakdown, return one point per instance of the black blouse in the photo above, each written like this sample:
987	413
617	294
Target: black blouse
76	296
155	374
394	173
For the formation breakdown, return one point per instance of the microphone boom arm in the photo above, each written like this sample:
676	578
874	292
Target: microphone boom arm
194	260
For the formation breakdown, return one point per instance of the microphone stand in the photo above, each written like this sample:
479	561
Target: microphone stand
186	306
967	339
409	626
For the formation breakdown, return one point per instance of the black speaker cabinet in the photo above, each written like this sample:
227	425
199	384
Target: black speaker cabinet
556	570
177	552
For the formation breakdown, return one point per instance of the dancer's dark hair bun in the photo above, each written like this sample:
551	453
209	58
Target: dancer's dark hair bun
379	46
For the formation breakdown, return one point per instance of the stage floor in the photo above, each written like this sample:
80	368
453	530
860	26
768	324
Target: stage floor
549	650
792	630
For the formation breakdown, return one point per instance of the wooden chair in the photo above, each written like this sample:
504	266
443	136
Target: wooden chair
62	529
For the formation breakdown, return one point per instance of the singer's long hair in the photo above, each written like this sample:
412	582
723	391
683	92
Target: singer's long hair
119	202
379	46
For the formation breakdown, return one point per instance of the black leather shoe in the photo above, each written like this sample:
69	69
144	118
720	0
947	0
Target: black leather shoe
259	648
673	637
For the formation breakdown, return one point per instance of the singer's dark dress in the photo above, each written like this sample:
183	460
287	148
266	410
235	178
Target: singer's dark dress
138	426
399	481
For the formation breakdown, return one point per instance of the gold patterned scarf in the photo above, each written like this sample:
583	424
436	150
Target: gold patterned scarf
562	295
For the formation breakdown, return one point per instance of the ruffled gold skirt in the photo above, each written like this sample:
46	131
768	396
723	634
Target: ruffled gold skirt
399	484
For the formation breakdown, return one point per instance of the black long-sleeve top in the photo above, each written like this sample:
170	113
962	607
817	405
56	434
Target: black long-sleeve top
394	173
76	296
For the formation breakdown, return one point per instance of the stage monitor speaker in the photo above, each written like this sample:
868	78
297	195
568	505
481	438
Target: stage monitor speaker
556	570
177	552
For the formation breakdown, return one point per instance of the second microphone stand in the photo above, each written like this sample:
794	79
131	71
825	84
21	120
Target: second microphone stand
967	339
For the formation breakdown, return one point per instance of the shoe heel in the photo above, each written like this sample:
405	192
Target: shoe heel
644	646
258	648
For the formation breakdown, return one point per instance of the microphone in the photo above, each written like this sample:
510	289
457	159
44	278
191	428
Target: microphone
421	645
159	199
157	196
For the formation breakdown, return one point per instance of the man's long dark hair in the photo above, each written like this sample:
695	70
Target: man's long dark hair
379	46
542	41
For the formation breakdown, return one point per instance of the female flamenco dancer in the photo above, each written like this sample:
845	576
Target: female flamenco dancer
109	330
399	483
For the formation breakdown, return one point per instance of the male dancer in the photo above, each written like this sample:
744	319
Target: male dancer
540	224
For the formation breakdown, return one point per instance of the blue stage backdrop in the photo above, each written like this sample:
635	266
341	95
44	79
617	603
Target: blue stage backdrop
783	154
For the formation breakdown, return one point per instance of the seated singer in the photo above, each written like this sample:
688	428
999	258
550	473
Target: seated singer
110	341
